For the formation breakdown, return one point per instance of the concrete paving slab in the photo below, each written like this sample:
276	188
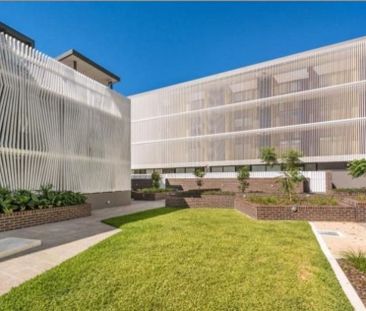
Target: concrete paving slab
351	236
10	246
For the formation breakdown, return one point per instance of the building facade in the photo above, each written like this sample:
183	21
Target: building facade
59	126
313	102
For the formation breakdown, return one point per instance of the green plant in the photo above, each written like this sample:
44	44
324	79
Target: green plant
199	172
269	156
21	199
154	190
243	178
292	175
357	168
312	200
291	160
218	192
288	182
357	259
155	178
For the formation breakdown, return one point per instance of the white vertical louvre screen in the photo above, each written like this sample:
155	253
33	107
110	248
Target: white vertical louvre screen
58	126
313	101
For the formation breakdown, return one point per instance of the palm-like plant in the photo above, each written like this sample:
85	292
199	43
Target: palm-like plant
243	177
269	156
357	168
199	172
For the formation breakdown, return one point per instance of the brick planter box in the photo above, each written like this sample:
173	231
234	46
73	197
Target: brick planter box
149	196
18	220
352	213
215	201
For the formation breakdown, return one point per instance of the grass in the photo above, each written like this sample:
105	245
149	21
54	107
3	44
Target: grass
312	200
190	259
154	190
350	190
219	192
356	259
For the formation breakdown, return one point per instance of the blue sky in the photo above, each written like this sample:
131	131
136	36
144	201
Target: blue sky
151	45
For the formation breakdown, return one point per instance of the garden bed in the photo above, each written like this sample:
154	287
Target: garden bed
312	208
29	218
356	277
136	195
150	194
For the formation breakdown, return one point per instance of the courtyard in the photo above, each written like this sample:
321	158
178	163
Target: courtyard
190	259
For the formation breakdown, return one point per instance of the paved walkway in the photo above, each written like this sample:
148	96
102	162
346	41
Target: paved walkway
60	241
352	236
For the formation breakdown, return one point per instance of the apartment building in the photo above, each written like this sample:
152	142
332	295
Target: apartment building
61	123
312	101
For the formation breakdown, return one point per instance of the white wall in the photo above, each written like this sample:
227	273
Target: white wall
58	126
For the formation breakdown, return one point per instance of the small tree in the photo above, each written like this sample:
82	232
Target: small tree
291	160
155	178
243	177
292	174
357	168
199	172
268	155
289	181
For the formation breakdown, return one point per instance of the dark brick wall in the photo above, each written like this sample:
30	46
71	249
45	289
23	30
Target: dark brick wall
214	201
36	217
266	185
140	183
148	196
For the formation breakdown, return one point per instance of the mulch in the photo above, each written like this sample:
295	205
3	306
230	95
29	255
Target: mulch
356	277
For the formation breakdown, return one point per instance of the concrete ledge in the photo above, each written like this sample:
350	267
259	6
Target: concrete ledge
11	246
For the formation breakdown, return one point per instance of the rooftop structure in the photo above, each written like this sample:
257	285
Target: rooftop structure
86	66
16	34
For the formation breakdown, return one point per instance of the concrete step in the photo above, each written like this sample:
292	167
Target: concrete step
10	246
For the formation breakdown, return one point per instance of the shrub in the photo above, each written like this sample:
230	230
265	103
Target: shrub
218	192
20	200
313	200
154	190
357	168
356	259
268	155
155	178
243	177
199	172
350	190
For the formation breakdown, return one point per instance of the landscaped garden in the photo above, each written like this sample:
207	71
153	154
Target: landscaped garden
190	259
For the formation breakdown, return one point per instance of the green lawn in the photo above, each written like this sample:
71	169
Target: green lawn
190	259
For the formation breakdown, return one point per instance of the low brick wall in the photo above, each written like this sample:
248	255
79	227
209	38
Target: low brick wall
214	201
140	183
355	213
18	220
149	196
264	185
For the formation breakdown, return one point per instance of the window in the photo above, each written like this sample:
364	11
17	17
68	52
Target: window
168	170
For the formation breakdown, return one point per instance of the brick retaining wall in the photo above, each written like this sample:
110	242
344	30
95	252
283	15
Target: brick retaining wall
264	185
140	183
353	213
23	219
148	196
215	201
